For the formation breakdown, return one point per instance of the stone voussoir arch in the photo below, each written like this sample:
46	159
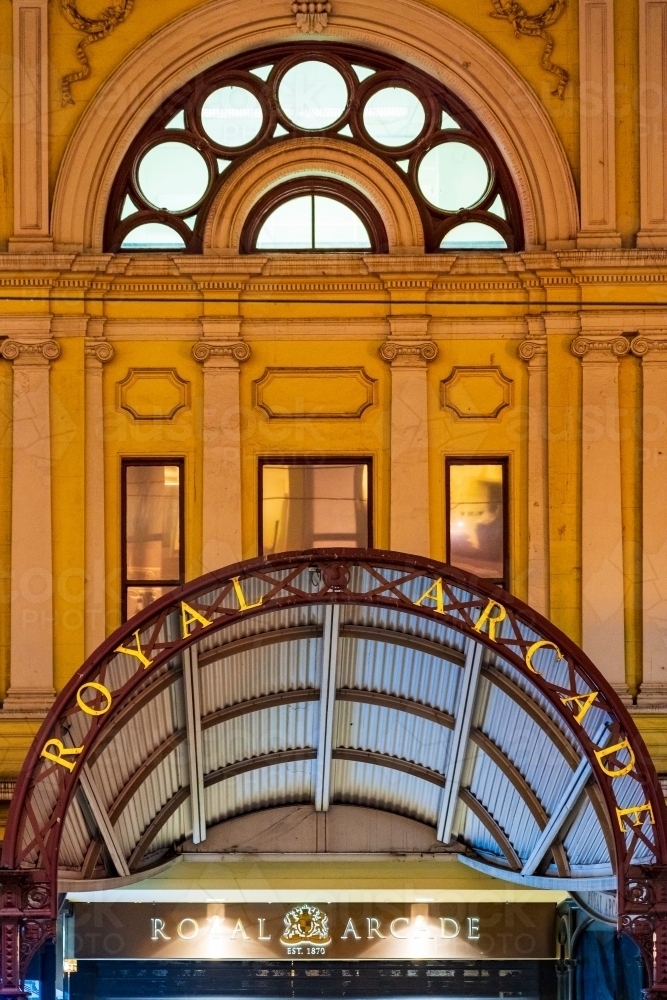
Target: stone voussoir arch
135	662
315	157
426	38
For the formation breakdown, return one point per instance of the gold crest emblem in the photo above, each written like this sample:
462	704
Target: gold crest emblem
306	925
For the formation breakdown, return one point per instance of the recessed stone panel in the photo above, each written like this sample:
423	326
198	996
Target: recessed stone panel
314	393
153	393
476	393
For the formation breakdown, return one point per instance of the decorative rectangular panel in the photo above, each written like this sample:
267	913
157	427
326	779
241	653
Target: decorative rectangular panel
314	393
476	393
153	393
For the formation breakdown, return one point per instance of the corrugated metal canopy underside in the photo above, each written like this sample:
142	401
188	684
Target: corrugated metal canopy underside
398	686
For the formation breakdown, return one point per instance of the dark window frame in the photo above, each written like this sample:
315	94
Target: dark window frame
265	460
504	462
126	584
388	71
329	187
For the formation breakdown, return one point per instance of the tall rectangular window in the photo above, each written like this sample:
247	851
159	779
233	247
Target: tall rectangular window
314	504
477	523
152	519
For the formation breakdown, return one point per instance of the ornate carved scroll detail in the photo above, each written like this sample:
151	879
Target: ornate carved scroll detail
600	348
408	353
238	351
645	920
649	344
12	350
311	15
536	25
99	351
533	350
95	29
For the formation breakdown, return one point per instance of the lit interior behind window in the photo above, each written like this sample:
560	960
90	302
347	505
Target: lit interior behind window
152	532
314	506
476	519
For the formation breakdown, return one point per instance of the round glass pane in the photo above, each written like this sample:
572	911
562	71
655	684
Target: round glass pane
313	94
394	116
473	236
232	116
153	236
453	176
173	176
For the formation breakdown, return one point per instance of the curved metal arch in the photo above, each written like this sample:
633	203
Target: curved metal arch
566	680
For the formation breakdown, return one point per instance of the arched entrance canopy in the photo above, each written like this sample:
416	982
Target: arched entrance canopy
340	677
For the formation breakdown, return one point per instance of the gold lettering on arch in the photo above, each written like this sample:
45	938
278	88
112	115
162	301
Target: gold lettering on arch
61	754
583	703
623	745
138	653
238	590
634	813
433	593
542	644
493	621
189	616
96	687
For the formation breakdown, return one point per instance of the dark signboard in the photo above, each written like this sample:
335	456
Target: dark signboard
310	931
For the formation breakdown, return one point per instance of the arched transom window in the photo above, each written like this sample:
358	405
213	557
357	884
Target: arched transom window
202	136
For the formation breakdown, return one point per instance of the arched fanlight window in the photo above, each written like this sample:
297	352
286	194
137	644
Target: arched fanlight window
200	138
314	214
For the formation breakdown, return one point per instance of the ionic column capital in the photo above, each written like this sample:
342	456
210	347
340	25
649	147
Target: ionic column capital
600	348
30	352
220	353
98	352
408	354
651	347
533	350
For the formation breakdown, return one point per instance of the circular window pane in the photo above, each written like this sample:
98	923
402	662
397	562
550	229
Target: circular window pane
313	95
473	236
153	236
173	176
453	176
232	116
394	116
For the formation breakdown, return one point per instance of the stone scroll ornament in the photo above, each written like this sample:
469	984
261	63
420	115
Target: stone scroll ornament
536	26
95	30
311	15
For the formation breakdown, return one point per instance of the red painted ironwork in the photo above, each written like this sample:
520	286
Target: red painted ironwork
435	591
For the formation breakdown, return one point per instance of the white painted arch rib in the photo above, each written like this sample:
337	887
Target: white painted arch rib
410	29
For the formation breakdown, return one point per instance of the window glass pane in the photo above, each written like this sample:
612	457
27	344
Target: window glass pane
394	116
473	235
153	236
477	519
139	598
153	522
314	506
232	116
313	94
338	227
453	175
173	176
289	227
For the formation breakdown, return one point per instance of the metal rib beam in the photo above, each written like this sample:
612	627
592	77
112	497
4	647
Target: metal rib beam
562	810
327	707
195	755
101	816
459	745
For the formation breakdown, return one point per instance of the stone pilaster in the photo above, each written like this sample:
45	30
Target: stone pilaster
221	352
533	351
652	349
602	583
31	689
408	352
97	352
